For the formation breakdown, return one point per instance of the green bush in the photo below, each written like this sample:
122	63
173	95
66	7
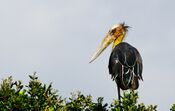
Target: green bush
39	97
35	97
173	107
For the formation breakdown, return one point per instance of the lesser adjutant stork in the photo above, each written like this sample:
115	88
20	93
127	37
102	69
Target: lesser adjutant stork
125	62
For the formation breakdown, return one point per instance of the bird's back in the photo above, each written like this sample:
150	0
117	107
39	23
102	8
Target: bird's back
125	66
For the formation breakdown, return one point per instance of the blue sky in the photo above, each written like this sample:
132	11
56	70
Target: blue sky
57	39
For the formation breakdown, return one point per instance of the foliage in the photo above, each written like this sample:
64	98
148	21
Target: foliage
129	103
39	97
173	107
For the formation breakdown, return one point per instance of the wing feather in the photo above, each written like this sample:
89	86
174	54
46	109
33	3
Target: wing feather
125	66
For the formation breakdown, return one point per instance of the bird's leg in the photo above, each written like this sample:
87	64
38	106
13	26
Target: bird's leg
118	93
119	96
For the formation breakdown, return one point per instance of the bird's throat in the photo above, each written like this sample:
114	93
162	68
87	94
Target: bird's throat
117	41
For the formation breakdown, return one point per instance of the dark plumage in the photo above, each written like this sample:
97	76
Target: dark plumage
125	66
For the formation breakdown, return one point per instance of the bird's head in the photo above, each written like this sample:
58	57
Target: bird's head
115	35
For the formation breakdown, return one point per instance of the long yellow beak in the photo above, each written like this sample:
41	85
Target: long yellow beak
105	43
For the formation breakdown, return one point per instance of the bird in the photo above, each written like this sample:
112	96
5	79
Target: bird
125	62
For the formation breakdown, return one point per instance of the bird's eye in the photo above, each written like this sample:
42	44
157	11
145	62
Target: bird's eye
112	31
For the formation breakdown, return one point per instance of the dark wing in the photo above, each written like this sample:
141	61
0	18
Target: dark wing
125	66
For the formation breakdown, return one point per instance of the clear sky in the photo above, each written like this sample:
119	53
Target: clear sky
56	38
